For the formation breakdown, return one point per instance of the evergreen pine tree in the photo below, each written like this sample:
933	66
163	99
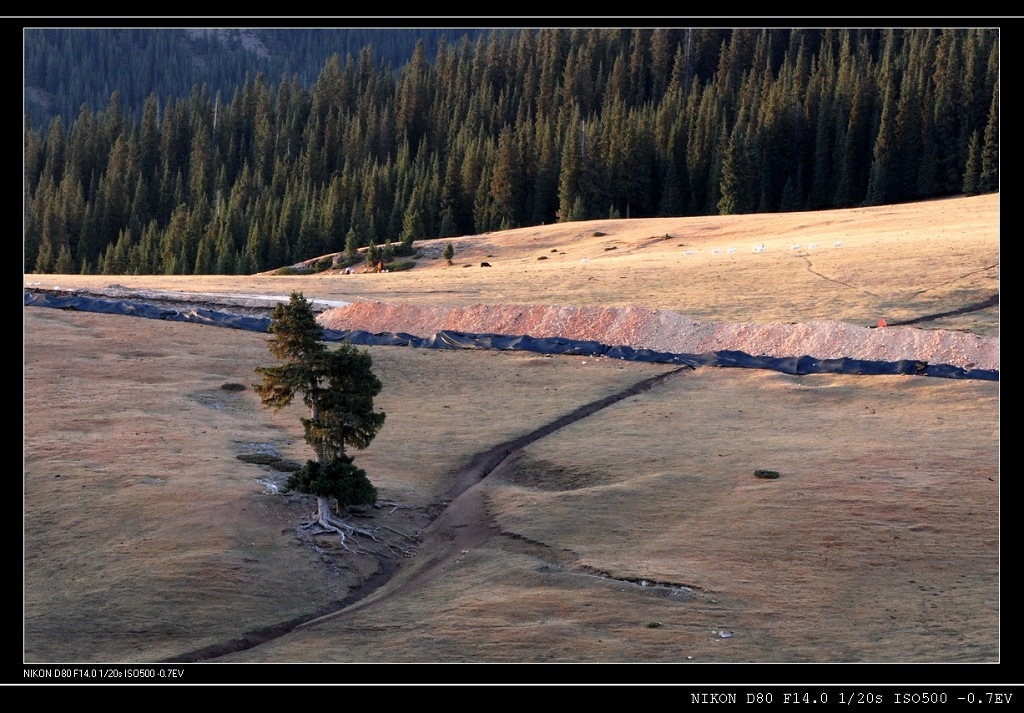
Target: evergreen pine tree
351	245
372	255
730	200
989	179
338	388
972	172
44	258
64	264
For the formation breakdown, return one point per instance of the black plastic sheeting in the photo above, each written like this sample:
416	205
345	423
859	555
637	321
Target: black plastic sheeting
447	339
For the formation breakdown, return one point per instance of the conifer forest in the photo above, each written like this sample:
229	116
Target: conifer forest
503	129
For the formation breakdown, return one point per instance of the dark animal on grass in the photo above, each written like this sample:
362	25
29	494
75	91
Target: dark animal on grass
485	264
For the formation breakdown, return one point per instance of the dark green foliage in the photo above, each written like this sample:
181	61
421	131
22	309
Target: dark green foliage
240	174
405	247
372	255
341	402
63	265
989	178
337	386
179	59
351	246
297	342
449	252
400	266
292	270
972	173
339	478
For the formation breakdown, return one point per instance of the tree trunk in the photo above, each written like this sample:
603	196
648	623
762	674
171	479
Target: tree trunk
323	509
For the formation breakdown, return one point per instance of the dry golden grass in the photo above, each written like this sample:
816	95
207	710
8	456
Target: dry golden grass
895	262
146	538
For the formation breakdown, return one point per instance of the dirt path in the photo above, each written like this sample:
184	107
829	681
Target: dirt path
461	525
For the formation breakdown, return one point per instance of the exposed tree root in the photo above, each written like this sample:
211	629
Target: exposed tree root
395	506
357	540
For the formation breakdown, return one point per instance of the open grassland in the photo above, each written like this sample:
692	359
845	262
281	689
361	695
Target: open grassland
638	533
893	262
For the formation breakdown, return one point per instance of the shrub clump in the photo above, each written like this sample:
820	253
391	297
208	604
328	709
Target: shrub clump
293	270
400	265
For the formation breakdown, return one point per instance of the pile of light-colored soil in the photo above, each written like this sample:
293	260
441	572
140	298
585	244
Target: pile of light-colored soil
667	331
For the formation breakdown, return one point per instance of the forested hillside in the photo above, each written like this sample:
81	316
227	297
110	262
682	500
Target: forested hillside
512	129
68	67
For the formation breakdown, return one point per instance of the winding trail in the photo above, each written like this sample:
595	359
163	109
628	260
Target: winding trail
991	301
810	269
462	524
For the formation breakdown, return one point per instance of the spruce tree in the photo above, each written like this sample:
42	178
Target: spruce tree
372	255
351	245
64	264
338	388
989	179
972	173
296	341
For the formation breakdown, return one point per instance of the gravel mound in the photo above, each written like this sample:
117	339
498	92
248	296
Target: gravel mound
667	331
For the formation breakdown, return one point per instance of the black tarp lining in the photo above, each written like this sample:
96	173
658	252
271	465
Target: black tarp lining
447	339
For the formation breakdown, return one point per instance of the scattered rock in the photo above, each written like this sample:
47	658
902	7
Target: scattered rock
767	474
232	387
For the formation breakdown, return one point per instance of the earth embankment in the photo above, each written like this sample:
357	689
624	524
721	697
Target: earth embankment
667	331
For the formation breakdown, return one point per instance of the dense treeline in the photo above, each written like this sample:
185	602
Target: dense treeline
68	67
508	130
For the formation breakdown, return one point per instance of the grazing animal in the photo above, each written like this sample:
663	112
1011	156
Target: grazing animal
485	264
